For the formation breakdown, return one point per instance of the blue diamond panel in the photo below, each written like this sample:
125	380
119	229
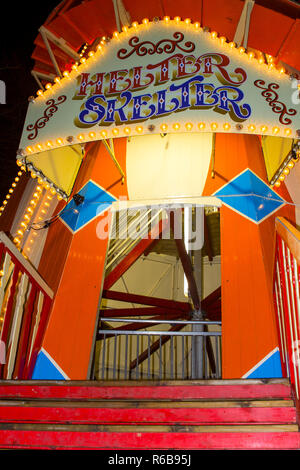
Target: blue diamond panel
250	196
96	200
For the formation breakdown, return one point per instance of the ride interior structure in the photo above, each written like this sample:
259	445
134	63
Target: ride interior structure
150	243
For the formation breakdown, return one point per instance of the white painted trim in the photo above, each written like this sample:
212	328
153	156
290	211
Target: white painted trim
242	30
199	201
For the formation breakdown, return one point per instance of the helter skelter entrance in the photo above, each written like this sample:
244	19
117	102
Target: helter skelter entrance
160	313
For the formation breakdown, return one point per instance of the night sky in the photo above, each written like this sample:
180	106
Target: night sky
16	46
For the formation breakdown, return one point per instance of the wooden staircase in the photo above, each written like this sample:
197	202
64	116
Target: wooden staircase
222	414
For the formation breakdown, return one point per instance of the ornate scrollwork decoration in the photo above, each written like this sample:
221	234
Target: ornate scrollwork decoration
52	107
271	95
163	46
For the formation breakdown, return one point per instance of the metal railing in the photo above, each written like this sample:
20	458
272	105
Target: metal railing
25	301
147	354
286	288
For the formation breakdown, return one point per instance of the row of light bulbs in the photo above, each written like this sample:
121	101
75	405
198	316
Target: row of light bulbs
126	131
286	167
261	58
31	216
11	189
27	217
42	180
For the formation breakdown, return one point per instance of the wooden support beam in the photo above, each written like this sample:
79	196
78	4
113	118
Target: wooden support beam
213	313
212	297
212	305
145	300
139	312
134	254
207	241
187	265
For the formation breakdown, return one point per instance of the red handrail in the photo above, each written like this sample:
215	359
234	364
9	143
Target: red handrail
25	301
286	291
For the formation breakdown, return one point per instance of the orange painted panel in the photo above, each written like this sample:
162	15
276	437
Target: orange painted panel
289	53
248	323
54	254
222	17
70	330
233	154
264	23
150	10
98	166
247	257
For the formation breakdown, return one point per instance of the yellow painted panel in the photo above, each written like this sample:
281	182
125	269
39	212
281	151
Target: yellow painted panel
60	166
275	150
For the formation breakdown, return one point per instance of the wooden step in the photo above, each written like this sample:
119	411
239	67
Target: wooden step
61	439
129	404
230	414
157	416
194	390
145	428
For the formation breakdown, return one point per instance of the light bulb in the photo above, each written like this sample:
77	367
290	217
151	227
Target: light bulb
263	129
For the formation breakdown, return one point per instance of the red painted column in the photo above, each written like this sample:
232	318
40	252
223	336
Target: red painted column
73	261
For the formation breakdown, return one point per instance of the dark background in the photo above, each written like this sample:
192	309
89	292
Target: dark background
20	22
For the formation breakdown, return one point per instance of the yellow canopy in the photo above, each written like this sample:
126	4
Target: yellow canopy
275	150
59	166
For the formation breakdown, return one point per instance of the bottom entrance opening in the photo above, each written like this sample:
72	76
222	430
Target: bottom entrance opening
160	313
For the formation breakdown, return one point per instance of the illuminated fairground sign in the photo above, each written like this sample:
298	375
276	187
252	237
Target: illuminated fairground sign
162	77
